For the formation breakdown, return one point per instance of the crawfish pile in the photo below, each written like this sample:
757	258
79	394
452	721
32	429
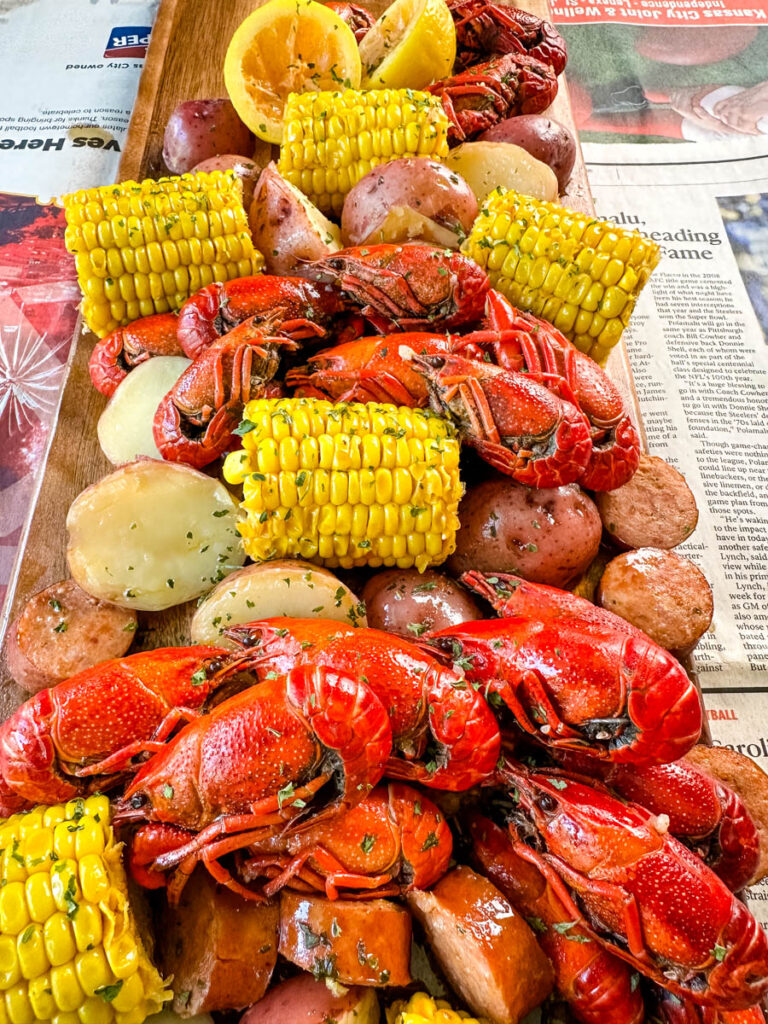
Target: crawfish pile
574	724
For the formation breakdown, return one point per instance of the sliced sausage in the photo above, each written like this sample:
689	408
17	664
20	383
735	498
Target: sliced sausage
747	780
220	948
487	951
61	631
656	509
354	942
660	592
410	603
307	1000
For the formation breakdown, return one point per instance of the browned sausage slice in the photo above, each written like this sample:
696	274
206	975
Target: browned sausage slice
660	592
61	631
220	948
356	942
656	509
487	951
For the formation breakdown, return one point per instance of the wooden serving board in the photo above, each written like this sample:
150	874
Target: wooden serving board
184	61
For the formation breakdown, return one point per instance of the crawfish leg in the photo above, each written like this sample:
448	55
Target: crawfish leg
336	875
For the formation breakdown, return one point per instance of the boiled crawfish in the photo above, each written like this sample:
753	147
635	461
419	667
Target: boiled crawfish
114	356
671	1009
358	18
195	421
258	758
643	894
484	28
480	97
75	737
394	840
444	734
575	685
597	986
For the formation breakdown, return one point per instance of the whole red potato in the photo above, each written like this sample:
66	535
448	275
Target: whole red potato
200	129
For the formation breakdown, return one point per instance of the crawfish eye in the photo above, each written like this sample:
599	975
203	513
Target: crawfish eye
546	803
214	667
139	800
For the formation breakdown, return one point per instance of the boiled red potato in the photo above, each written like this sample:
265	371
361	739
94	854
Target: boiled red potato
488	165
152	535
655	509
660	592
355	942
484	947
288	586
200	129
61	631
543	137
547	536
308	1000
169	1017
411	603
406	199
124	429
286	227
246	170
219	949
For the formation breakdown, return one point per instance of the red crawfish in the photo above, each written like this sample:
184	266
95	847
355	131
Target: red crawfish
525	342
259	758
484	28
671	1009
576	685
195	421
65	741
478	98
444	734
114	356
405	287
394	840
598	987
292	307
357	17
644	895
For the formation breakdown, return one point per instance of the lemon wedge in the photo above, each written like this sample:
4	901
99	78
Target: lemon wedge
283	47
412	44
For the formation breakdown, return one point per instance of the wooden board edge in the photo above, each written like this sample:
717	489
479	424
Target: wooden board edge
138	128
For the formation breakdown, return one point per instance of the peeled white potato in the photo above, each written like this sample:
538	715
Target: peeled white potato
125	427
152	535
485	165
287	587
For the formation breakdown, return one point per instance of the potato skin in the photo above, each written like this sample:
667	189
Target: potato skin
425	186
541	136
547	536
306	1000
245	169
409	603
200	129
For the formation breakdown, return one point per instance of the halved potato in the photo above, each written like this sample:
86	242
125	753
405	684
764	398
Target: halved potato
125	427
485	165
286	227
152	535
287	587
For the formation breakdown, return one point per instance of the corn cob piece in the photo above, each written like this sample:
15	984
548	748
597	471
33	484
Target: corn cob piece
332	139
582	274
347	484
69	949
145	247
423	1009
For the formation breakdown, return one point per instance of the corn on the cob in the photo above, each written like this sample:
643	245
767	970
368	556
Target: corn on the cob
145	247
332	139
356	484
582	274
423	1009
69	949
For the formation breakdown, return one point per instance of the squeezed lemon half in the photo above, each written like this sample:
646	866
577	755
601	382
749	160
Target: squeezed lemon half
412	44
283	47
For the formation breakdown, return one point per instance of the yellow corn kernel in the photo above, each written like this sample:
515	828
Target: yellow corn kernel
562	265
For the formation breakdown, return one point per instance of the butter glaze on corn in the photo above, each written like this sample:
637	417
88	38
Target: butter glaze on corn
582	274
332	139
69	950
423	1009
145	247
348	484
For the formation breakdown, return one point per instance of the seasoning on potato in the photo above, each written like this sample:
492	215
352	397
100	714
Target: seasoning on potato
198	130
488	165
543	137
412	603
547	536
